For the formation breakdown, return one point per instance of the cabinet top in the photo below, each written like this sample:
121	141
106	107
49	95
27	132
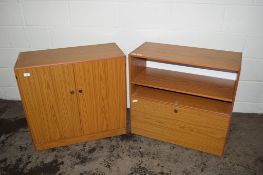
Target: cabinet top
68	55
190	56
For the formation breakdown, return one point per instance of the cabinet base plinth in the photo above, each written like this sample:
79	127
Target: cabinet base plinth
69	141
172	140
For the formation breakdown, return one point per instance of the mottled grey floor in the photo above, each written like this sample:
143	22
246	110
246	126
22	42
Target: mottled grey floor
131	154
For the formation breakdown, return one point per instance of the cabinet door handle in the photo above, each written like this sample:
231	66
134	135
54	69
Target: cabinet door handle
80	91
175	105
72	92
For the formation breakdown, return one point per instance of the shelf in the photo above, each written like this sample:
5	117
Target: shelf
190	56
204	86
183	100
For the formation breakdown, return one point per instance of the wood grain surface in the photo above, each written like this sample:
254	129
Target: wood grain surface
216	88
205	131
102	104
191	56
68	55
190	101
83	138
51	109
185	109
72	95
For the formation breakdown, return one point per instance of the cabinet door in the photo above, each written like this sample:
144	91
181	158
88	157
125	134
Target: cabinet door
101	88
50	102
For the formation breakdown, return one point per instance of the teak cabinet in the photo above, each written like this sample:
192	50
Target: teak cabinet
73	94
181	108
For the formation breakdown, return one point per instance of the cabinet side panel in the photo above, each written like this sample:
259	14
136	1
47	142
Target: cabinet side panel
136	65
101	88
52	111
25	106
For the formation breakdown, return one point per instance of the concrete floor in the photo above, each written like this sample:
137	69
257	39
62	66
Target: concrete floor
130	154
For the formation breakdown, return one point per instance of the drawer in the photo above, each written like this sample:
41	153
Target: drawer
182	113
189	127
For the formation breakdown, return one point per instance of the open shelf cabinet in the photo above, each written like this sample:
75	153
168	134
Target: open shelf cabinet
204	86
182	108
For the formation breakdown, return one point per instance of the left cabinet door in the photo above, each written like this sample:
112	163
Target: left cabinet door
50	102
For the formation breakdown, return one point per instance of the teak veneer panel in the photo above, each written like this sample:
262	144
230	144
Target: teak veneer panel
190	56
68	55
146	126
164	110
72	95
181	108
179	99
205	131
83	138
216	88
102	102
46	97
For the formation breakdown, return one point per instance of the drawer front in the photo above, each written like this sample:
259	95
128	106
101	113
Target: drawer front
202	130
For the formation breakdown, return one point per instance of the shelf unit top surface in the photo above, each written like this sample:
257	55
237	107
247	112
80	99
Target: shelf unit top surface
190	56
67	55
179	99
204	86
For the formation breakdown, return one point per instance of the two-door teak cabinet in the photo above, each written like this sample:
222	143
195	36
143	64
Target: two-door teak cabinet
187	109
71	95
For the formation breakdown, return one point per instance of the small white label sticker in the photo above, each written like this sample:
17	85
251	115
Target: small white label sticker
137	54
26	74
135	101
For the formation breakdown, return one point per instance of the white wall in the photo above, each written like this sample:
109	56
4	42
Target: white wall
235	25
